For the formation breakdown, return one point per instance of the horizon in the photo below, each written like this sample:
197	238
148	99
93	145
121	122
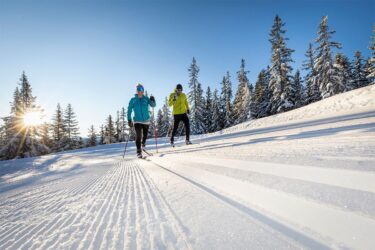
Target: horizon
95	48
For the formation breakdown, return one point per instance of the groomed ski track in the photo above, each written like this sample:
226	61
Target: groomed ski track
302	179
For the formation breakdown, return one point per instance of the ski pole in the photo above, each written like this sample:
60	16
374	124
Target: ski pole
126	145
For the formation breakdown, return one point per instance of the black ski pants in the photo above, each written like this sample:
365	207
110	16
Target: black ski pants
141	131
185	119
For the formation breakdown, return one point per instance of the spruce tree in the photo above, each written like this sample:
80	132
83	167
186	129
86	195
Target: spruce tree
312	87
123	124
165	128
208	112
12	124
58	127
45	135
241	103
226	101
359	75
260	95
102	135
217	122
280	79
110	130
92	137
370	66
118	127
159	122
296	95
22	140
343	73
325	73
196	101
71	128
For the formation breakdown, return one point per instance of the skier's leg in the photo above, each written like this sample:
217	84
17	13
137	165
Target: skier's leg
187	127
145	133
138	136
176	119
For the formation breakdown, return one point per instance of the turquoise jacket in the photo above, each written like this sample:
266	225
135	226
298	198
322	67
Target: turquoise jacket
140	108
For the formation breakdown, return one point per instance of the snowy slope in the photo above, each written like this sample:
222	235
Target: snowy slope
301	179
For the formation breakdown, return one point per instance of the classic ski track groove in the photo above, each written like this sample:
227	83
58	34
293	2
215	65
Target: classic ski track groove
362	218
119	208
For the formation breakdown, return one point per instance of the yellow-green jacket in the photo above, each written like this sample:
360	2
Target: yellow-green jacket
180	106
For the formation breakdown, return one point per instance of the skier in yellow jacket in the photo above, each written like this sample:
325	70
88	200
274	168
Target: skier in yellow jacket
178	100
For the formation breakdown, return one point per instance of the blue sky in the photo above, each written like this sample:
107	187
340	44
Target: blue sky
92	53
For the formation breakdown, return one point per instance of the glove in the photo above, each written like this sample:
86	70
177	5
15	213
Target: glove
188	111
130	124
174	97
152	99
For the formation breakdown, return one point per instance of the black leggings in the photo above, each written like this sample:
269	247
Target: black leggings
177	119
141	131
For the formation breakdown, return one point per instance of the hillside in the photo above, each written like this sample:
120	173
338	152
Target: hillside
300	179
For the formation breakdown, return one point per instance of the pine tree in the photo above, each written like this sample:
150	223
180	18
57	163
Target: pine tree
12	124
110	130
260	95
323	63
312	87
123	124
226	101
359	74
280	79
296	95
118	127
58	128
164	120
343	74
195	97
370	67
159	122
71	128
22	140
102	135
45	135
217	122
241	103
208	111
91	137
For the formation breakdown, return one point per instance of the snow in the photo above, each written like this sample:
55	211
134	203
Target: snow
300	179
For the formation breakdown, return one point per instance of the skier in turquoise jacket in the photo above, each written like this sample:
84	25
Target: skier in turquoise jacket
141	120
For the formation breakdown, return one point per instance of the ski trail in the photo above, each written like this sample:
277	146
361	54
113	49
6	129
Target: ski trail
296	212
358	180
165	212
102	228
109	183
111	234
130	233
56	207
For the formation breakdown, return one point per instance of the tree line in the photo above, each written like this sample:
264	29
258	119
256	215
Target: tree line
278	88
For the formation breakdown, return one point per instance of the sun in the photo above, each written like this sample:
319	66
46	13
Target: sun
32	119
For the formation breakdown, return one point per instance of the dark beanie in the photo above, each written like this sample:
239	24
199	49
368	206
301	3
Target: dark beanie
179	86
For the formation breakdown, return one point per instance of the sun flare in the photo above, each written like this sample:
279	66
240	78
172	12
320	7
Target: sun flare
32	119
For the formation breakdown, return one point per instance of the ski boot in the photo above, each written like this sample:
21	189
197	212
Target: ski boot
188	142
139	155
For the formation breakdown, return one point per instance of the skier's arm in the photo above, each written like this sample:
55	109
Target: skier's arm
170	100
130	109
